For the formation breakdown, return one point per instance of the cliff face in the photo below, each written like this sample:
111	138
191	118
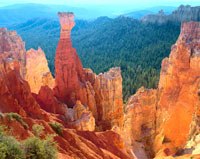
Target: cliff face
102	94
107	92
12	48
37	70
166	120
182	14
15	93
179	86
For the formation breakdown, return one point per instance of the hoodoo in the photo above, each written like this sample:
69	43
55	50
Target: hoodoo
102	93
68	67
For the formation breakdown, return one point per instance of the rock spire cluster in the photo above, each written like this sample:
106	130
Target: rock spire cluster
155	123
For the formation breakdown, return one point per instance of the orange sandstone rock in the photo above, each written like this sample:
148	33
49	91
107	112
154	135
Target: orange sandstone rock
140	120
69	75
84	119
178	86
37	70
108	96
166	120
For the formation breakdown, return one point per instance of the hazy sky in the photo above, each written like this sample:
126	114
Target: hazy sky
128	3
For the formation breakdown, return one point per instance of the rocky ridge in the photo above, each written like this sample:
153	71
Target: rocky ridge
182	14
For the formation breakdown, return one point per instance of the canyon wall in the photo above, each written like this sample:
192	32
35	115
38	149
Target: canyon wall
179	86
165	120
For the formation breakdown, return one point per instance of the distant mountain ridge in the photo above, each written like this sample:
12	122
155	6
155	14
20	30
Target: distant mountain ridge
20	13
182	14
153	10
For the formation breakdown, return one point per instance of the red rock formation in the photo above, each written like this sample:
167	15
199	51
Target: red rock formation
140	117
102	93
49	102
68	67
108	96
164	121
168	117
12	48
37	70
178	87
15	94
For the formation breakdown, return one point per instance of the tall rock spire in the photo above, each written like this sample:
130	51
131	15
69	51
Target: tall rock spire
68	67
102	94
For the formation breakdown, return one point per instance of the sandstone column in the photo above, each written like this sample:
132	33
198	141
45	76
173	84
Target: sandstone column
68	67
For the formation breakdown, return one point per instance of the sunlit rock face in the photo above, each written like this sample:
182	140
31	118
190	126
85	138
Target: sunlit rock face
12	48
37	70
83	118
178	87
108	96
102	93
166	121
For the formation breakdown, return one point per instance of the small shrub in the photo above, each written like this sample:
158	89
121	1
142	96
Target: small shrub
57	127
10	148
35	148
32	148
2	130
37	130
17	117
